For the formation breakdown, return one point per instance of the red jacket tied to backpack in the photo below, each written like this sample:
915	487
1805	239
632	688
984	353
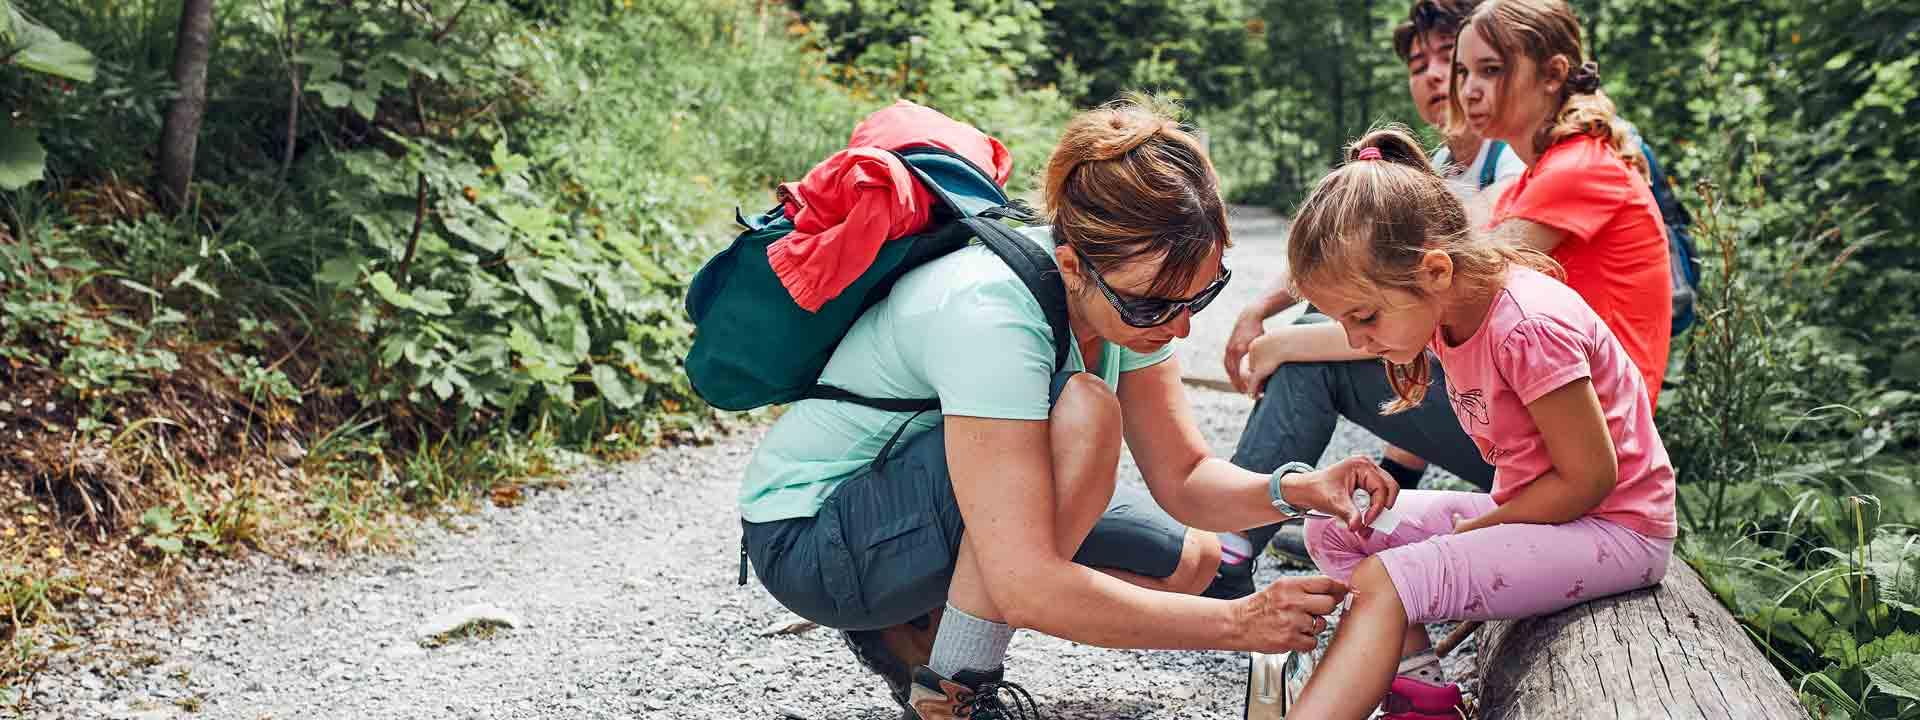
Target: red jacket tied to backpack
864	196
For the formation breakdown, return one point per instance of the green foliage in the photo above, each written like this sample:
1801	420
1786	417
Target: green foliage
32	47
503	213
1821	99
1797	488
1204	53
1322	73
199	524
975	60
99	358
27	599
1833	598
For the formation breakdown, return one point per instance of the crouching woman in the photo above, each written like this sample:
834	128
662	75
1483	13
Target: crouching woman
1002	512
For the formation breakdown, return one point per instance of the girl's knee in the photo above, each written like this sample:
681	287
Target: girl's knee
1334	548
1372	576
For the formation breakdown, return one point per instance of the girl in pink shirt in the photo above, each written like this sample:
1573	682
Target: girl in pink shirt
1583	493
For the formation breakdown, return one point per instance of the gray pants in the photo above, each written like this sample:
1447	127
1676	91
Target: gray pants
1296	417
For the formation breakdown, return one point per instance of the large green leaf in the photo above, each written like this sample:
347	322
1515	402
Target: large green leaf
57	57
21	158
1895	564
608	380
1898	642
536	289
31	46
1898	675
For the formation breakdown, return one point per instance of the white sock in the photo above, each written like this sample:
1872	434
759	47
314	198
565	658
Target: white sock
965	642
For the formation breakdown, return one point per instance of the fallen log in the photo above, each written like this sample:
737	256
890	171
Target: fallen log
1671	651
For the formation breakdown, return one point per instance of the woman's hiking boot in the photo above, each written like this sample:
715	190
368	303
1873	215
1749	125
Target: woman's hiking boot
893	653
970	694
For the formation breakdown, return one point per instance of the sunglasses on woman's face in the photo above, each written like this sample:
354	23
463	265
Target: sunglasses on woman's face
1154	312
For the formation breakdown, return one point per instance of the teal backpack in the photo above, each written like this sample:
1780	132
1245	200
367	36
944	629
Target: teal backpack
753	346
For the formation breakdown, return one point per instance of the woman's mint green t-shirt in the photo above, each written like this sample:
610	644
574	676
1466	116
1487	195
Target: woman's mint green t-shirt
962	328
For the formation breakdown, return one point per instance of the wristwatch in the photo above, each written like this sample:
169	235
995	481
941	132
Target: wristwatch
1273	487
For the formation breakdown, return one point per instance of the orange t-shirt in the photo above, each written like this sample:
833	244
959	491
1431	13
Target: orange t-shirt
1615	253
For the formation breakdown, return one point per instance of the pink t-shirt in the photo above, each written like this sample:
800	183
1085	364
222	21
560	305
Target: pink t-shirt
1537	337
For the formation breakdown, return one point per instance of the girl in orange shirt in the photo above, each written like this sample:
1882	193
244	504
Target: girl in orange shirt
1520	76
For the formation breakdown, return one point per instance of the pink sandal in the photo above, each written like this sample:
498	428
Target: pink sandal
1414	699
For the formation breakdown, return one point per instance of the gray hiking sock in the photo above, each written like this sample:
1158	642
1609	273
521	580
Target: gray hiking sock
965	642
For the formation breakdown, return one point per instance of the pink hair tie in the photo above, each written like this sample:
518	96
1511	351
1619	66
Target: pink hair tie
1369	153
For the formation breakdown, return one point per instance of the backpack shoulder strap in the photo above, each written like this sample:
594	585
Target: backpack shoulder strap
1031	264
1489	171
1034	269
1037	271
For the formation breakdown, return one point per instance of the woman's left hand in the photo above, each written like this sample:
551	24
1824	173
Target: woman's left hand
1330	490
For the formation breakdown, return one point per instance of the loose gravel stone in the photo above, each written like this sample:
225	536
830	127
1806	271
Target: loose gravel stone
467	620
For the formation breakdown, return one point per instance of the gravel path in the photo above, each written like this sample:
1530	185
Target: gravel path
624	588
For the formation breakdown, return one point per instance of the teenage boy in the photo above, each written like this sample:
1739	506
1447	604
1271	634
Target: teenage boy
1318	377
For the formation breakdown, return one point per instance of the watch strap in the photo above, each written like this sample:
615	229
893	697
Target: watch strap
1273	487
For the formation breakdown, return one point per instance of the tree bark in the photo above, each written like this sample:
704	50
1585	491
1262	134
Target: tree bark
180	134
1670	651
1366	70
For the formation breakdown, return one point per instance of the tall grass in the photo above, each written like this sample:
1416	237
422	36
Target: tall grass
1803	530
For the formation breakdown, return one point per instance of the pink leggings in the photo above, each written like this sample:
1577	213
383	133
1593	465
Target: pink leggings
1497	573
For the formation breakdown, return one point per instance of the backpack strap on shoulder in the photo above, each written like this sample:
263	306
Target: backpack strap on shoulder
1037	271
1031	264
1490	170
1015	210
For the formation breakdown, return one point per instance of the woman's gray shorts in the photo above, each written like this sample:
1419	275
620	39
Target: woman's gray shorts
881	550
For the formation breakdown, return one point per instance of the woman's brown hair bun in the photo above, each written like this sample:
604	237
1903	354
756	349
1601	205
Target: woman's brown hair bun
1127	183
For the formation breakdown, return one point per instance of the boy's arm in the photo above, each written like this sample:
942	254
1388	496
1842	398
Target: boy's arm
1319	342
1585	469
1249	326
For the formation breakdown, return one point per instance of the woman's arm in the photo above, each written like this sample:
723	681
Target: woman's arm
1585	469
1209	493
1002	480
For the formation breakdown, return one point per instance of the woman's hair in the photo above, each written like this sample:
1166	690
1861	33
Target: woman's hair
1539	30
1128	183
1368	224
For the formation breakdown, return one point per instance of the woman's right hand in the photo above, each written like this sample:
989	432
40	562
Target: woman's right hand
1289	614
